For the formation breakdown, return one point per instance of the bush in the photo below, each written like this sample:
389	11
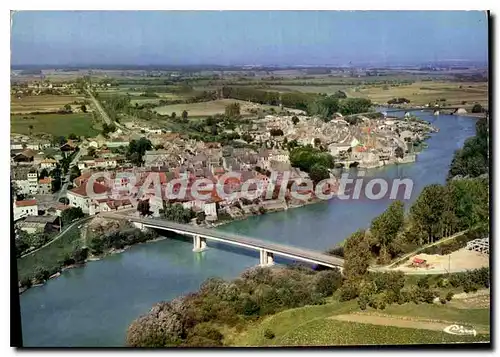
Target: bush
363	301
348	292
442	300
25	282
41	274
269	334
449	296
207	331
328	281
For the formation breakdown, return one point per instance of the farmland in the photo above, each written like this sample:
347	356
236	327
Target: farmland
80	124
41	103
342	323
210	108
420	93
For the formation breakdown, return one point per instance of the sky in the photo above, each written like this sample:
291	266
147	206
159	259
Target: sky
247	37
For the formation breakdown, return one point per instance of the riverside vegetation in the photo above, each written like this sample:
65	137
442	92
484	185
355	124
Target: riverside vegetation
207	317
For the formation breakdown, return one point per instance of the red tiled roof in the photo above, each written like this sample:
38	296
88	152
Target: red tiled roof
45	181
26	203
82	189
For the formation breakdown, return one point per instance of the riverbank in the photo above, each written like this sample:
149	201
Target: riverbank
48	263
93	307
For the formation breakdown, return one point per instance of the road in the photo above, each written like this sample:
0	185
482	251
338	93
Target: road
80	221
99	108
295	253
103	113
64	188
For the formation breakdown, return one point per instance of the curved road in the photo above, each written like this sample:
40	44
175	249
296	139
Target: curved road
57	236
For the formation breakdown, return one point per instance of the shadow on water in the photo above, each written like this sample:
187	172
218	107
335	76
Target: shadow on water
229	248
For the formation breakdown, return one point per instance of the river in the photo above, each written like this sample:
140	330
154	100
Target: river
93	306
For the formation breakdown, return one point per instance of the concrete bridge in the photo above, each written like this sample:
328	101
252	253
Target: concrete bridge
267	249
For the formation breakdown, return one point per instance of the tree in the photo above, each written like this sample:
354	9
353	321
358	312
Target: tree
324	107
385	227
173	115
72	136
295	120
232	110
179	214
91	151
399	152
43	174
276	132
31	128
71	214
67	108
318	173
143	207
427	211
74	172
64	200
184	114
350	106
137	149
357	255
83	108
477	108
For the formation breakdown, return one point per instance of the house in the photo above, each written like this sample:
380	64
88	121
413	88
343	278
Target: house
33	181
80	197
57	209
25	156
337	149
20	179
16	145
45	186
68	146
39	224
25	208
48	164
279	156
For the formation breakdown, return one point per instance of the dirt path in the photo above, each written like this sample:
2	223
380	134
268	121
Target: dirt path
403	322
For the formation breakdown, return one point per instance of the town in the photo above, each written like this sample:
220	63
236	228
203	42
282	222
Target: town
49	174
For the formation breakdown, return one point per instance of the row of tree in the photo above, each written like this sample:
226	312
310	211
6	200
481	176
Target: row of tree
195	319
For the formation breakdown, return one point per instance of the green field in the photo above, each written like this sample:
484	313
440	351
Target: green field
79	124
49	256
420	93
210	108
317	326
41	103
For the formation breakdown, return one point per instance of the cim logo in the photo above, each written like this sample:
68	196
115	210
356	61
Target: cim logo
460	330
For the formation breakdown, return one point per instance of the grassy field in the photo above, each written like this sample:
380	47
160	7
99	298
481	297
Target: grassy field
420	93
79	124
49	256
41	103
210	108
322	326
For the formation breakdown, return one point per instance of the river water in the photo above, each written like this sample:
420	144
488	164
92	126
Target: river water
92	306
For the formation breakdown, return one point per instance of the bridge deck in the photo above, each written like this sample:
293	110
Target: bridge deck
238	239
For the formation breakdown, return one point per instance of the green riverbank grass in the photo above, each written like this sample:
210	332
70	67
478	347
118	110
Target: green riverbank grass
314	326
49	256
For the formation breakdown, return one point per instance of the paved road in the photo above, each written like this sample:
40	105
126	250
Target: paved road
297	253
61	234
99	108
64	188
103	113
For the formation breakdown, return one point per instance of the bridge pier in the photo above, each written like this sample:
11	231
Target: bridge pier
266	258
139	225
199	243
